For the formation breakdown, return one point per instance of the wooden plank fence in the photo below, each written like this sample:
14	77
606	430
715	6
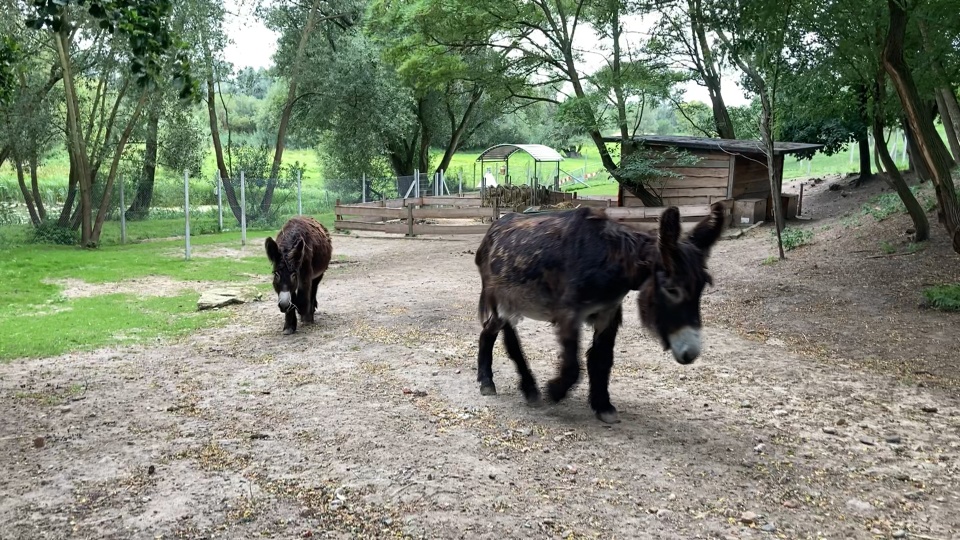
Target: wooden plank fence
390	217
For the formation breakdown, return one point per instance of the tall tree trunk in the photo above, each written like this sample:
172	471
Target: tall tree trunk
711	78
863	143
294	75
35	186
426	136
933	154
916	163
921	224
948	126
4	153
458	128
143	197
77	147
228	189
114	166
72	183
27	196
863	137
953	111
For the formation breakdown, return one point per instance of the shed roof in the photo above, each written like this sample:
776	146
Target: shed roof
502	152
732	146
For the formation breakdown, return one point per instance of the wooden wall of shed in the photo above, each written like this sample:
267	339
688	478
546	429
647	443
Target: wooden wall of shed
703	183
750	180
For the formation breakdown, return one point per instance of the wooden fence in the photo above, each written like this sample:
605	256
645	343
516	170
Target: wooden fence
401	216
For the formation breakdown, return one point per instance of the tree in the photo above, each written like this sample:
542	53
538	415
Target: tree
134	33
928	143
540	44
760	32
286	18
683	33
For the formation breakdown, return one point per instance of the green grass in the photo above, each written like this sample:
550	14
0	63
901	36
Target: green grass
944	297
38	320
88	323
793	238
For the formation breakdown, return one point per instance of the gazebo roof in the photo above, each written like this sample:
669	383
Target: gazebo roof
538	152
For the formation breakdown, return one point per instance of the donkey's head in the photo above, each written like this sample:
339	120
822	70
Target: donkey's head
287	263
670	298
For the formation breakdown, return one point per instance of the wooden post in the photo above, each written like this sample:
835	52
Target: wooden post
800	202
409	220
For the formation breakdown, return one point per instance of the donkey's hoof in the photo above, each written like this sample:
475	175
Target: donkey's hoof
288	331
609	417
534	399
488	389
557	391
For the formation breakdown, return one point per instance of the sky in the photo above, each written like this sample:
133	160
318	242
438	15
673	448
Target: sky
253	46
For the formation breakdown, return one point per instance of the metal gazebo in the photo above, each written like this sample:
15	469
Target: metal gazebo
502	152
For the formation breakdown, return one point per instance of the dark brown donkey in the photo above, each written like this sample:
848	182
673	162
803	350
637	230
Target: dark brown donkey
300	256
568	268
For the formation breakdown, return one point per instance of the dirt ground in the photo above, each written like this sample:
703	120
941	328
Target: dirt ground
825	405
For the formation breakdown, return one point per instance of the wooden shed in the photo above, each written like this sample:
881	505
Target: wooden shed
728	169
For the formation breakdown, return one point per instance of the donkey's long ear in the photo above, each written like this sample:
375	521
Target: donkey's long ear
297	252
707	232
273	250
669	235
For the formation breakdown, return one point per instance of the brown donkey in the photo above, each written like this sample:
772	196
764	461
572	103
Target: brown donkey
572	267
300	256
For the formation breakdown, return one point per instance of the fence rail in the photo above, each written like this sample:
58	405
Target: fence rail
400	216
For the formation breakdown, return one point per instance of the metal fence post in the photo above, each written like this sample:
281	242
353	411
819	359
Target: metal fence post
363	187
186	210
416	183
243	210
219	183
123	216
299	194
460	182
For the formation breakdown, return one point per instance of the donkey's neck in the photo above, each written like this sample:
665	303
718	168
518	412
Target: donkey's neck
637	251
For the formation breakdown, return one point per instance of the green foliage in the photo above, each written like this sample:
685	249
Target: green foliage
144	24
943	297
770	261
793	238
888	248
9	63
641	167
49	232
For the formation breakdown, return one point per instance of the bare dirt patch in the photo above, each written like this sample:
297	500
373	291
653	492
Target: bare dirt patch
143	287
369	424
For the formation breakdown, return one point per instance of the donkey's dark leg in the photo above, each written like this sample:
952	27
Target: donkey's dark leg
312	299
528	385
600	362
290	321
568	333
488	337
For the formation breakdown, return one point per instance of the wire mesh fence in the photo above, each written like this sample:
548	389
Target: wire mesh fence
135	208
132	210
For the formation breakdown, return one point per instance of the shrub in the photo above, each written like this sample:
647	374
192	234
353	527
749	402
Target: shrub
943	297
793	238
49	232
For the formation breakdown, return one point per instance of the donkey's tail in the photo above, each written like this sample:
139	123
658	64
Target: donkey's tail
485	309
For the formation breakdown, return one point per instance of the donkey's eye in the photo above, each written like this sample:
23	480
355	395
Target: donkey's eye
673	294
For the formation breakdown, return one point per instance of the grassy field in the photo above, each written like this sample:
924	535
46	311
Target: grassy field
38	319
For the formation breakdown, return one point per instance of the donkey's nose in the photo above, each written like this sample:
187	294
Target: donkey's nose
685	344
284	301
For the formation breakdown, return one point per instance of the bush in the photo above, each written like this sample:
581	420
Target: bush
943	297
51	233
793	238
